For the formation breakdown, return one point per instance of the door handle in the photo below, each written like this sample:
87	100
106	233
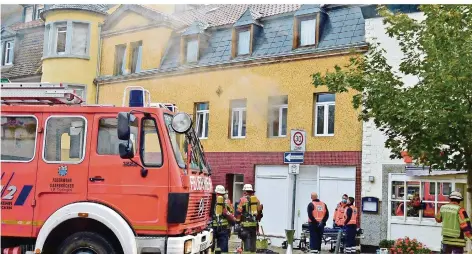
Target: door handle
96	179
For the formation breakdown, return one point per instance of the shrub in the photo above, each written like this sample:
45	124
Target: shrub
406	245
386	244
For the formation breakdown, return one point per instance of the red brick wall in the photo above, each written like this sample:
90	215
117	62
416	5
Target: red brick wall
223	163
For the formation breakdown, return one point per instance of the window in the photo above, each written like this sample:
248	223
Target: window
278	108
39	9
7	52
18	138
136	56
67	39
61	38
238	184
179	146
307	32
80	90
150	144
202	110
324	114
65	139
192	51
108	142
238	118
29	13
244	39
422	200
120	59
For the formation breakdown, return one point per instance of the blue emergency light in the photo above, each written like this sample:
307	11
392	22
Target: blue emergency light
136	98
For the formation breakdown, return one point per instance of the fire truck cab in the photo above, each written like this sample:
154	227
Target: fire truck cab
100	179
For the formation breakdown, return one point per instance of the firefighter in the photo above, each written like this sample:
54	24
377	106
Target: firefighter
339	212
350	225
318	214
222	218
455	225
249	214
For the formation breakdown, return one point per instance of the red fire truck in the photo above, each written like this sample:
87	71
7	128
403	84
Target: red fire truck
100	179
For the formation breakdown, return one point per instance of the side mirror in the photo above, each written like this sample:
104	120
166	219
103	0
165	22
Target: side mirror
126	150
124	119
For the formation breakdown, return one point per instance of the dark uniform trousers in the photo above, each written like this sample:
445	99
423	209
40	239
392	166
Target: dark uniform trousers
249	238
316	235
221	237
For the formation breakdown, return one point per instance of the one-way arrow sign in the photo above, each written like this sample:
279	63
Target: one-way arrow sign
293	157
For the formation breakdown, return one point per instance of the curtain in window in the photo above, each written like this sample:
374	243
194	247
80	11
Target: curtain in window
244	39
307	32
192	49
120	53
136	56
79	38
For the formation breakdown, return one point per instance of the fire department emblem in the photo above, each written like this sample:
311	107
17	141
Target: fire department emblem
62	170
201	208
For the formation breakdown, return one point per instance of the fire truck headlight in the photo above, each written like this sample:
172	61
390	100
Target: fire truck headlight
181	122
188	246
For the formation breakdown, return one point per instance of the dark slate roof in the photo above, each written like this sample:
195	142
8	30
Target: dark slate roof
248	17
27	59
342	28
308	9
225	14
195	28
98	8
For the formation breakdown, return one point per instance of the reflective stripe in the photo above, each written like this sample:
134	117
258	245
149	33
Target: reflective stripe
454	241
450	220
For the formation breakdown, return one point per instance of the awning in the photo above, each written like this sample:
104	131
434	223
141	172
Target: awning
424	171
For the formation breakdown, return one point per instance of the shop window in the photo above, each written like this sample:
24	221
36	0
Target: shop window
397	198
108	142
446	189
413	199
428	199
65	139
18	138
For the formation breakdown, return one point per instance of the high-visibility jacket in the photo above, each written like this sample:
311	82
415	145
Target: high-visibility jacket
319	211
248	210
353	220
455	224
339	214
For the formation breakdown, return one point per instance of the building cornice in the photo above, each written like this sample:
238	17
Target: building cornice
186	69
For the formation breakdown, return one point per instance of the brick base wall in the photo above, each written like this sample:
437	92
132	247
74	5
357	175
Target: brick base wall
223	163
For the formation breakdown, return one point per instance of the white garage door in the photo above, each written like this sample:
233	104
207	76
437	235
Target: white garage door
307	182
272	189
334	182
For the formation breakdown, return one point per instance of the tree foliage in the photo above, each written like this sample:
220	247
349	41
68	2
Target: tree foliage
431	120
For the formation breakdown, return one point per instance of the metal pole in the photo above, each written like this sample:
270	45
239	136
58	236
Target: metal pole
293	200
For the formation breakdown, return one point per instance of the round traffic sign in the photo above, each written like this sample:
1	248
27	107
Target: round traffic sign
298	138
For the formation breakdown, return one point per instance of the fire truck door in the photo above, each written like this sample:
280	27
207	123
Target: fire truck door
63	169
118	183
20	152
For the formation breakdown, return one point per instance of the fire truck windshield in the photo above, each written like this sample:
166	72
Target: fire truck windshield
179	146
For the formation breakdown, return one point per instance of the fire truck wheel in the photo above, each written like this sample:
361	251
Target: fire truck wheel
86	242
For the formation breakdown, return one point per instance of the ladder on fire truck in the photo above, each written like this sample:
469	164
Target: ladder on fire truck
38	93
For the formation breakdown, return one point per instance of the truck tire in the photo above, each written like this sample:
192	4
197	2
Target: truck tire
86	242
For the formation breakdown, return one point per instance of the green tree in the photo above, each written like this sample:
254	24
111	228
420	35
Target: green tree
431	120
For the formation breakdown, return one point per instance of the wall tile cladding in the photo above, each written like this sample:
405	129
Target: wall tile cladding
223	163
342	27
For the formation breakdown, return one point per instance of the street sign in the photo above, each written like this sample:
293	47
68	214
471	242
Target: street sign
294	169
297	140
293	157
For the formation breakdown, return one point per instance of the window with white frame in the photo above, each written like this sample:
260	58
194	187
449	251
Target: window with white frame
244	40
278	110
67	39
32	12
307	32
39	9
324	114
202	115
7	52
29	11
422	199
238	118
192	51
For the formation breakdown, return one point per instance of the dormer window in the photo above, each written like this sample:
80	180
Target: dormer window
192	51
307	32
244	40
31	12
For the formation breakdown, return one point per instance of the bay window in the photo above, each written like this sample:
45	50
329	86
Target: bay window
67	39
